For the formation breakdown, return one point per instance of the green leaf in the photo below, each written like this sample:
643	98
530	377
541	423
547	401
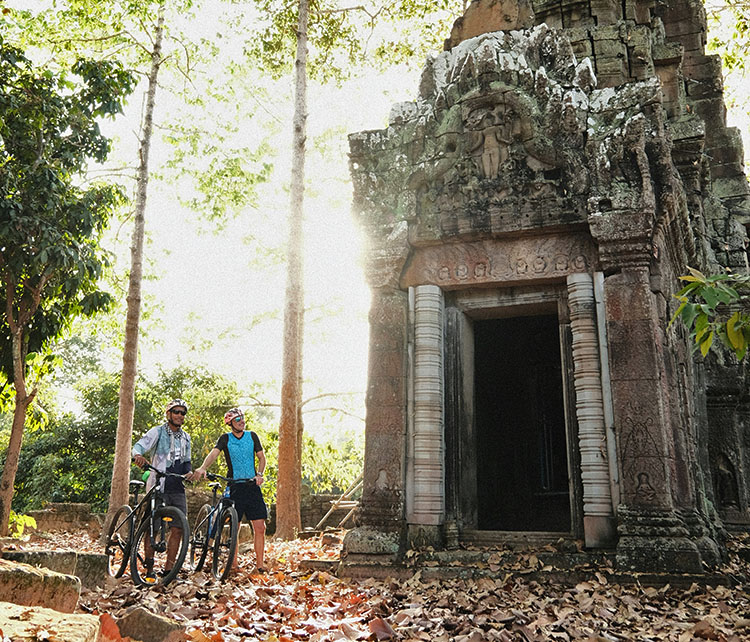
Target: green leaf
689	312
735	336
711	297
706	344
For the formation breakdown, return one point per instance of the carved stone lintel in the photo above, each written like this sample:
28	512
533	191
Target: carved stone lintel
516	260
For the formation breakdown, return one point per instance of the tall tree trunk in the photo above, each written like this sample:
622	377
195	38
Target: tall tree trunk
22	402
288	522
119	491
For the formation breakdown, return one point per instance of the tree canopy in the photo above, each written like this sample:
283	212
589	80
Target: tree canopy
50	259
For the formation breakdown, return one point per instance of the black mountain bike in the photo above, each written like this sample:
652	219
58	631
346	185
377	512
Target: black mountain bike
132	530
216	521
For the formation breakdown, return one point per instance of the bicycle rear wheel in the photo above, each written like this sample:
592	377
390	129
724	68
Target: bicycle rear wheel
225	544
117	545
200	537
151	567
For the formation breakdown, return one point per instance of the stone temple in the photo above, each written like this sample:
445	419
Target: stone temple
527	218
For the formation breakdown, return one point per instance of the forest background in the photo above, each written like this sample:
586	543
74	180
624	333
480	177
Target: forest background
213	292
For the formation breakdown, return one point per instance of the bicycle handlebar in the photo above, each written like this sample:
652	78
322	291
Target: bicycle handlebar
148	466
229	480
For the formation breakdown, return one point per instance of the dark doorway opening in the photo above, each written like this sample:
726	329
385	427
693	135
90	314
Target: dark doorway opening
522	469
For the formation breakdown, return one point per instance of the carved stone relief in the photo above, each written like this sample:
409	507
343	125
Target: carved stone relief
508	260
641	462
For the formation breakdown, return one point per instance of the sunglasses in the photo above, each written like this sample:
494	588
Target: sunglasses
238	419
179	412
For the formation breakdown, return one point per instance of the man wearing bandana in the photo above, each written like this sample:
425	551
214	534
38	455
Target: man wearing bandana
168	446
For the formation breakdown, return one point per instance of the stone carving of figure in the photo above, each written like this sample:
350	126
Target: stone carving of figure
644	490
491	142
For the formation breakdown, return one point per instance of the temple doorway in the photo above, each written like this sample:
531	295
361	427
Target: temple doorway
522	481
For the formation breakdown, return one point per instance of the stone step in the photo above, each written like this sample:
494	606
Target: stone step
90	568
32	586
29	624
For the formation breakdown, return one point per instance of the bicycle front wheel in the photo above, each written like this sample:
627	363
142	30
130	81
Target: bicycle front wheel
225	545
117	546
200	536
157	557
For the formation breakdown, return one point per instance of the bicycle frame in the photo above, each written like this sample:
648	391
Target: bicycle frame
152	498
206	529
148	506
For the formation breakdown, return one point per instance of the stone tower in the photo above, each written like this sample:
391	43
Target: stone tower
528	217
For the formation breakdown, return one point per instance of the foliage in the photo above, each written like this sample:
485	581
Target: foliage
69	459
345	39
329	468
50	227
729	26
714	306
19	522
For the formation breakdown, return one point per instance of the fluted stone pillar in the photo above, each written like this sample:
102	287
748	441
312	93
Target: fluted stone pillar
598	516
426	495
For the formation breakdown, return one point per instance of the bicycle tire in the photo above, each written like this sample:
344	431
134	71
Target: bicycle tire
225	543
199	538
117	544
164	516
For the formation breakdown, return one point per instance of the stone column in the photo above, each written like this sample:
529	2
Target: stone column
598	522
652	535
426	497
383	492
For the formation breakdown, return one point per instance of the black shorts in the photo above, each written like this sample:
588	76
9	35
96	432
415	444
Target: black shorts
177	499
248	501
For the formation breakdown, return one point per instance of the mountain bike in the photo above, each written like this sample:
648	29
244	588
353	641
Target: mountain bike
132	530
216	521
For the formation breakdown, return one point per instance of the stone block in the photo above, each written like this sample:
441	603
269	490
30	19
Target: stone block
628	296
24	624
387	420
365	540
58	561
90	568
140	624
29	586
245	534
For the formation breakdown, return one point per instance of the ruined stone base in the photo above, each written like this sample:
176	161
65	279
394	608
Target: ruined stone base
600	530
560	563
656	542
421	536
371	550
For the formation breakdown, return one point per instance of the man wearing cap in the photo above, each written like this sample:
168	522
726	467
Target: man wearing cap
168	446
241	449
